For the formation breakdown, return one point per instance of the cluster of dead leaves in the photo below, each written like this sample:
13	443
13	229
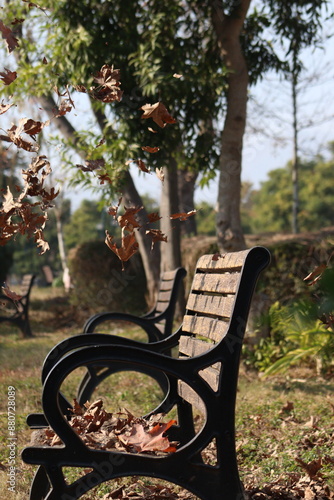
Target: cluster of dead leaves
141	491
129	224
17	215
122	431
296	488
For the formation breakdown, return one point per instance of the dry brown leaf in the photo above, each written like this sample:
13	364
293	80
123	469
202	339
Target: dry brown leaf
149	149
158	113
156	235
128	247
152	440
128	220
8	76
153	217
9	37
104	178
108	79
10	294
183	215
160	174
4	107
311	468
92	165
316	274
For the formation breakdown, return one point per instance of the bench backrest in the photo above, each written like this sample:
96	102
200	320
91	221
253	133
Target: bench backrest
26	284
217	310
168	293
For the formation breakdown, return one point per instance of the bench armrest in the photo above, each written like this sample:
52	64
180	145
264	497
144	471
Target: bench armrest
147	324
79	341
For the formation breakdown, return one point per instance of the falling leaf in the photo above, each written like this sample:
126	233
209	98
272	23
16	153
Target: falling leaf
4	107
8	76
9	37
92	165
153	217
104	178
316	274
32	127
128	220
64	107
158	113
142	166
128	247
160	174
183	215
148	149
176	75
108	79
156	235
32	4
41	243
101	141
150	129
17	21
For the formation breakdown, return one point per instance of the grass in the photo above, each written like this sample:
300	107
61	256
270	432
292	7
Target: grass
278	420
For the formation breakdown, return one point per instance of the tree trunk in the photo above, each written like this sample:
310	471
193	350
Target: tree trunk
171	250
228	28
295	162
186	190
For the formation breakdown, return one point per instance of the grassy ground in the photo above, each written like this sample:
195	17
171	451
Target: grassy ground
283	424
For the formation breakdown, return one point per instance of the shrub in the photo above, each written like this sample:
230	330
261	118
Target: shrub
99	284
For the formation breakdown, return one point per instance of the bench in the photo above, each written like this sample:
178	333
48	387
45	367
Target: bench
18	310
203	377
157	325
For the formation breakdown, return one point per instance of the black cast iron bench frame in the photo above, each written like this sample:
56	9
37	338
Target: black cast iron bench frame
204	377
20	316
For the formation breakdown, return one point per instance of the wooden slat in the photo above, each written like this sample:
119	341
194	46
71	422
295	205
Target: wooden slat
211	375
166	285
216	283
210	328
164	296
168	275
192	346
191	396
231	261
211	304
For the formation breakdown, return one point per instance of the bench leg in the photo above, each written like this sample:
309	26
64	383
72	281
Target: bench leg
40	485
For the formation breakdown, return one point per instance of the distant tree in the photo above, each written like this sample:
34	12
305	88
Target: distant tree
271	208
85	224
205	219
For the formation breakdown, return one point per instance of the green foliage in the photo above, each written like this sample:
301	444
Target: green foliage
301	331
86	224
271	205
205	219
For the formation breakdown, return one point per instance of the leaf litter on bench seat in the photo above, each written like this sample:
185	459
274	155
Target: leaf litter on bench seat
122	431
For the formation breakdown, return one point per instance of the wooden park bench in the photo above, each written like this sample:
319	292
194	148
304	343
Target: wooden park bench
204	378
17	311
157	325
